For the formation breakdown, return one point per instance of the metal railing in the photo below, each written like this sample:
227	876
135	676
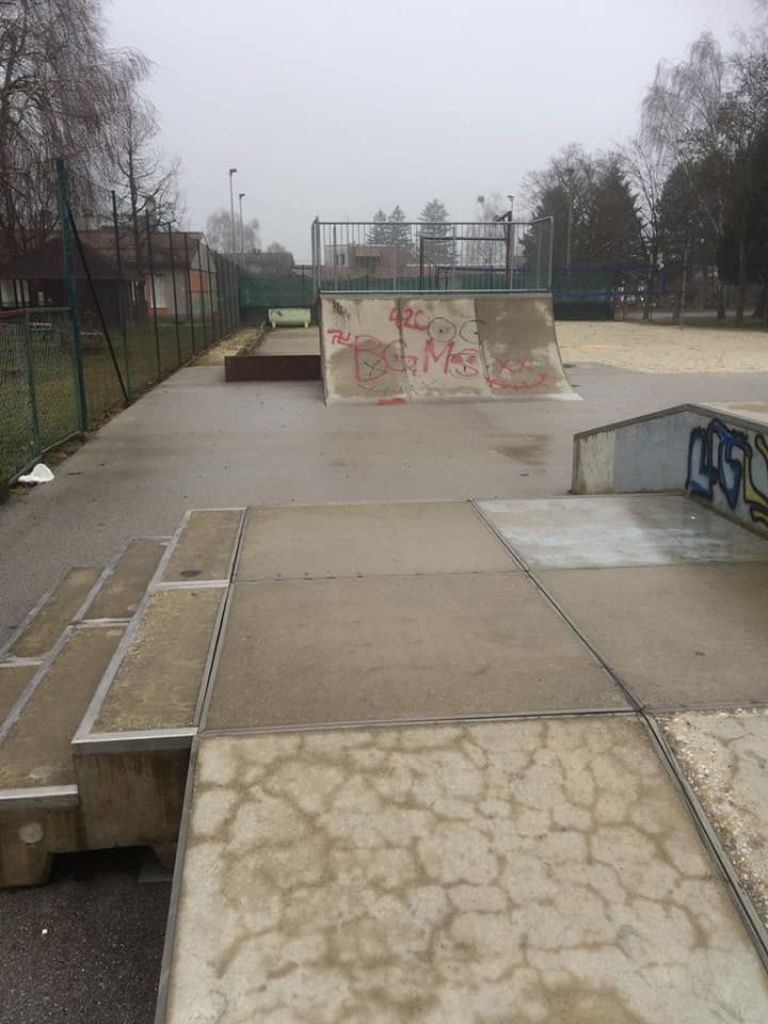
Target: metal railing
412	256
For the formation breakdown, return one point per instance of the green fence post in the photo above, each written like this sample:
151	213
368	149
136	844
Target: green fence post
121	297
154	297
27	346
70	281
175	299
202	296
190	307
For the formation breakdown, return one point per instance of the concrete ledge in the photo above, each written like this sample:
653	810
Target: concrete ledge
272	367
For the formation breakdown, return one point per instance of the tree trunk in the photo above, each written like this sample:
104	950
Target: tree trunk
741	288
762	304
141	298
720	300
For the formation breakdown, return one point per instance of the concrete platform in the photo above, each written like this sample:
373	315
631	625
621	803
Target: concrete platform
204	546
724	756
520	871
369	540
292	341
626	530
383	649
678	635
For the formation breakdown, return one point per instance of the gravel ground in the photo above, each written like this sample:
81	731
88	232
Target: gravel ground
657	348
86	947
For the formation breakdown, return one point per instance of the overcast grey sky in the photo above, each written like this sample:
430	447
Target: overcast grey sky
339	107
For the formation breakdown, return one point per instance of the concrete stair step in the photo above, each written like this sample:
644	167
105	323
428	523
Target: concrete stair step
131	751
39	807
124	582
41	629
14	678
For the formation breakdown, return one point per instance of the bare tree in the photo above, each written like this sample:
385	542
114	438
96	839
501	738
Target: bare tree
146	178
647	169
60	90
218	230
709	114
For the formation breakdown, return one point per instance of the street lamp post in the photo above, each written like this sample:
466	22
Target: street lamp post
240	198
232	172
510	243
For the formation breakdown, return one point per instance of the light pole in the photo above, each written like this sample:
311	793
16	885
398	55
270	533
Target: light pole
240	199
232	172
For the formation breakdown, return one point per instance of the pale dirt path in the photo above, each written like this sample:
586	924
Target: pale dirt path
654	348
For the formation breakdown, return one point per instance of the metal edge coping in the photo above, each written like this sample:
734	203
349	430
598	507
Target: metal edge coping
673	410
416	722
744	705
169	942
206	691
702	409
37	608
134	740
85	727
39	797
192	584
707	833
108	572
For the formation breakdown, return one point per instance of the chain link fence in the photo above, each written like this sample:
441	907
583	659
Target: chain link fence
148	299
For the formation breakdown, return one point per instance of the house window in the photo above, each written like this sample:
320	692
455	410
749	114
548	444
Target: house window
340	259
160	289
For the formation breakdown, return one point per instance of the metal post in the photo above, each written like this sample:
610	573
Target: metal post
121	296
508	255
175	297
242	246
210	295
335	262
27	346
202	293
232	172
71	287
190	308
154	296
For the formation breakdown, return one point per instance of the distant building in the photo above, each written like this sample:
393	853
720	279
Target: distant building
180	259
266	264
358	259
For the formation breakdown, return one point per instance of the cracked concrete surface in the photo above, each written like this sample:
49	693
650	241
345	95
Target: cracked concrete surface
521	872
724	756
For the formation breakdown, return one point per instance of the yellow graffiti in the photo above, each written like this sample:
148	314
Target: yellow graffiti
757	501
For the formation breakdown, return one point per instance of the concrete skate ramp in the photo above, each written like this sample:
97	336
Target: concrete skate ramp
717	452
391	349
